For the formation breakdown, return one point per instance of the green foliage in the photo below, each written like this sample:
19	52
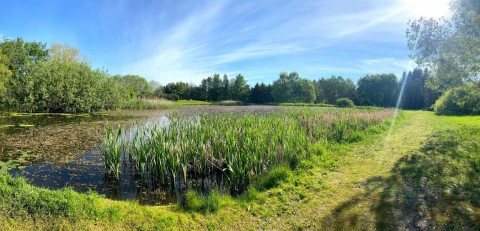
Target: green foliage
5	74
240	90
64	53
344	102
16	60
449	47
34	79
333	88
261	94
415	93
290	88
463	100
200	203
58	87
273	178
377	90
176	91
216	89
136	86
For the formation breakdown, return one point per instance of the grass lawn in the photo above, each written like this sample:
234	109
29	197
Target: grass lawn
424	174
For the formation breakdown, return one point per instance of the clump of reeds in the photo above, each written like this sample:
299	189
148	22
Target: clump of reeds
235	146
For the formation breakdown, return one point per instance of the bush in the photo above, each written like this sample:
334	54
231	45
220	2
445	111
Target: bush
464	100
344	102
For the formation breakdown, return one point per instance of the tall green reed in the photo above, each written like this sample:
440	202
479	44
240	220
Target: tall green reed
235	146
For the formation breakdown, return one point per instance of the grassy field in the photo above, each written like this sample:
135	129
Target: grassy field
425	173
192	102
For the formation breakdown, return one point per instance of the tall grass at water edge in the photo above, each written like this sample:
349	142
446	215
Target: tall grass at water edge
236	146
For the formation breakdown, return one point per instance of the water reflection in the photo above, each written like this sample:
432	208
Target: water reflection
87	173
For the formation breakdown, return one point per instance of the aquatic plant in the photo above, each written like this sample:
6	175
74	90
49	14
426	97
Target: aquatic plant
236	147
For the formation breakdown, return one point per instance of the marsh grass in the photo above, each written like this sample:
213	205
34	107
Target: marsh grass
144	104
232	147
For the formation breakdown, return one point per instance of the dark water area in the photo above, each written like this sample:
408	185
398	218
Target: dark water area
87	173
19	122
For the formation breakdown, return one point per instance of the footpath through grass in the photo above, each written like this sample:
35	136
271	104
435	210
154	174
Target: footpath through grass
425	174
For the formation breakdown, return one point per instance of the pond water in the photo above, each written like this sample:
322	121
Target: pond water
57	151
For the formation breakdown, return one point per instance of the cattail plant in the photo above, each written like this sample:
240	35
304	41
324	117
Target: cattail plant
236	147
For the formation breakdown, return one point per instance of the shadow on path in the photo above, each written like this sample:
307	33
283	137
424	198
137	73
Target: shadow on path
437	188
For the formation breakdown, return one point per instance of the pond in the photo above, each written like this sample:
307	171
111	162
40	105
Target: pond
57	151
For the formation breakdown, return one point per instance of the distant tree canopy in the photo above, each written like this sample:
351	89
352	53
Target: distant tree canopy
36	79
176	91
333	88
137	86
416	95
291	88
377	90
261	94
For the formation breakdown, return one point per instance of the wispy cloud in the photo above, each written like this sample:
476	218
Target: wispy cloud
384	65
224	36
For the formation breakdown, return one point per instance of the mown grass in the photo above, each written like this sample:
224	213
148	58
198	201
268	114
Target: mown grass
427	179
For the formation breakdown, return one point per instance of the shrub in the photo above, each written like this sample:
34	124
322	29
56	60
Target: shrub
344	102
464	100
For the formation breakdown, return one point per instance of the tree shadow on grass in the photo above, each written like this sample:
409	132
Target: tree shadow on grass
437	188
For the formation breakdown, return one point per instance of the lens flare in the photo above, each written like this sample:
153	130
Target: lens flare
427	8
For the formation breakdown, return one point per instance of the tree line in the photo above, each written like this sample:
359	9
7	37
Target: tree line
36	79
380	90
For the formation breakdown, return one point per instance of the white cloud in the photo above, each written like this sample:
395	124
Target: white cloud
219	36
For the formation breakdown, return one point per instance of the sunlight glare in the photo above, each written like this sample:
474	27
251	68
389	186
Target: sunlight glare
427	8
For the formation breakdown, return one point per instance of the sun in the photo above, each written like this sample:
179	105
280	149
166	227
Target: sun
427	8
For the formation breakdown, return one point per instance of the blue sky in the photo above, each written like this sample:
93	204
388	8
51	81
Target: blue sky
171	41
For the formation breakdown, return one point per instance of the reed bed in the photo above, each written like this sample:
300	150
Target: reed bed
236	147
